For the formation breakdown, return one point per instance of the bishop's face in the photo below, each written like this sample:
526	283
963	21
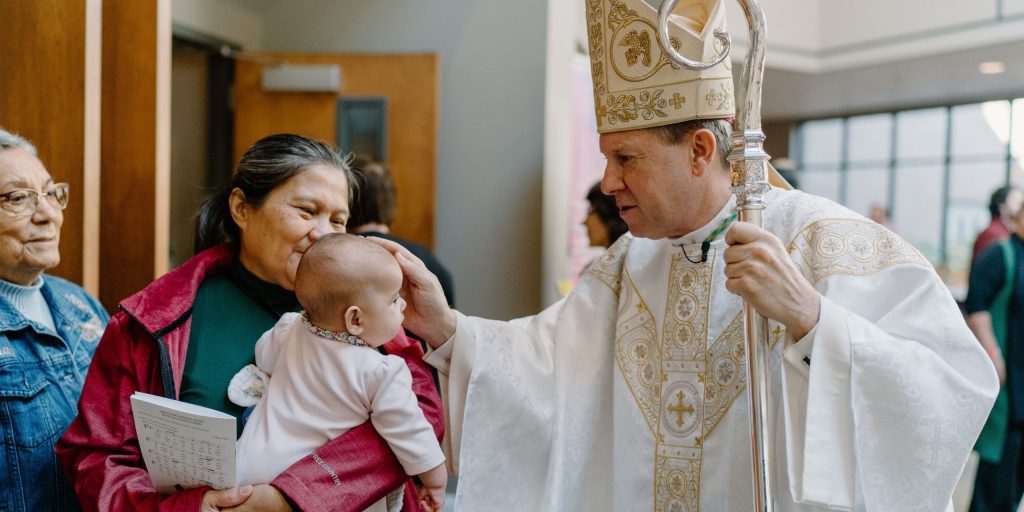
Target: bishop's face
653	183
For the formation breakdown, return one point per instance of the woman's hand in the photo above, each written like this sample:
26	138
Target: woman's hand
427	313
221	500
264	497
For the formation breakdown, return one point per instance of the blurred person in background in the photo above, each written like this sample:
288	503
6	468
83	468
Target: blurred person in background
373	212
1002	206
604	226
995	308
49	329
879	214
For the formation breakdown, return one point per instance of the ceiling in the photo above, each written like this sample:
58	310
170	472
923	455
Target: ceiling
928	81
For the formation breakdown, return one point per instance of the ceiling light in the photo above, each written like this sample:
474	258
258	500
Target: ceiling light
992	67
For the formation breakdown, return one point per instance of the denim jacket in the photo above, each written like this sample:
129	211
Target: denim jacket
41	377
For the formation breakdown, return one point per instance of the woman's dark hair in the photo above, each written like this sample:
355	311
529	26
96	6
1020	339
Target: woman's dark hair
997	200
266	165
375	200
606	210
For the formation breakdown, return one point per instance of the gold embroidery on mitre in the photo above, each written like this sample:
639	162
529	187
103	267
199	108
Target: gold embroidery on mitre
607	268
595	32
639	44
625	61
850	247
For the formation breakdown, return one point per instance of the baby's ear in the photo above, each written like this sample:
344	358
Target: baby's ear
354	321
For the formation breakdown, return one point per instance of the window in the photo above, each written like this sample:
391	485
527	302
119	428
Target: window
932	169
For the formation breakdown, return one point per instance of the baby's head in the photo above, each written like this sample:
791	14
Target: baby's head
348	283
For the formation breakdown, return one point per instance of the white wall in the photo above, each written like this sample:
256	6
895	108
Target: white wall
865	21
793	36
814	36
491	127
232	21
1013	8
563	29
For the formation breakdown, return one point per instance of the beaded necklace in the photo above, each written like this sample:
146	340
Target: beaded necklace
339	336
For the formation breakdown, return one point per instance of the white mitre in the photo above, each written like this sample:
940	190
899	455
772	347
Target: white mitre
635	86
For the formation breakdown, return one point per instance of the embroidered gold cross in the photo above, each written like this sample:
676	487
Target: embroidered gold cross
777	334
680	409
677	100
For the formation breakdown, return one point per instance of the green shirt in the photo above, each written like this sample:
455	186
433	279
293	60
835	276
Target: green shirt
230	313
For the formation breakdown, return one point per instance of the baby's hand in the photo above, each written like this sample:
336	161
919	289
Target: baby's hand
431	498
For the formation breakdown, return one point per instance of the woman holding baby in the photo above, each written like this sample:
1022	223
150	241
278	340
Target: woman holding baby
185	335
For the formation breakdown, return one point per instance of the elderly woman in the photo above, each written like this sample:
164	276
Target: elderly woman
49	329
187	333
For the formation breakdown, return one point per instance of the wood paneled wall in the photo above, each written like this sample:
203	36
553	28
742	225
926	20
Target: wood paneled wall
50	94
410	84
136	145
89	82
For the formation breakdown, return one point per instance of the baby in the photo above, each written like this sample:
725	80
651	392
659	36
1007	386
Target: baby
327	376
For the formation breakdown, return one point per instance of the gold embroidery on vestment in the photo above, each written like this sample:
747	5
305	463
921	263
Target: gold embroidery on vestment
850	247
728	373
684	355
682	384
637	354
607	268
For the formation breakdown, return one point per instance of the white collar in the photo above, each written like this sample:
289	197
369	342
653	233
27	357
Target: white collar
696	237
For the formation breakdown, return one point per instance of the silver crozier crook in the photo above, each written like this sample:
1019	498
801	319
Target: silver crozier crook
748	165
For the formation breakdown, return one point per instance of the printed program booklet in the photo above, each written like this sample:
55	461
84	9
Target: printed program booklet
184	445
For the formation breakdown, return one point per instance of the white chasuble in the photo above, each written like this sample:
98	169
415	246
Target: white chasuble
630	393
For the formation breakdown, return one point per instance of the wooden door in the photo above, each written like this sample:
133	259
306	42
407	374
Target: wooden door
408	83
50	94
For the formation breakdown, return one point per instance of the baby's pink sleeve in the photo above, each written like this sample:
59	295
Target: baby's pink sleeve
396	415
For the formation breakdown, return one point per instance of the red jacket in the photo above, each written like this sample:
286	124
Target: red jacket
143	349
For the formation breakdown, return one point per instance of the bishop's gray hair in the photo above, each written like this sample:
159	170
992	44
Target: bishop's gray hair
720	128
10	140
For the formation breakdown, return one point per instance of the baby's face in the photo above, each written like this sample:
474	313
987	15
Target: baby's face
383	309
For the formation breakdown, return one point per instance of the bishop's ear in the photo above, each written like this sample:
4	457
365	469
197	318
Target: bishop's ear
354	322
703	147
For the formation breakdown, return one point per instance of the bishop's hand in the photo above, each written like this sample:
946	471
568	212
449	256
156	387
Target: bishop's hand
426	313
759	270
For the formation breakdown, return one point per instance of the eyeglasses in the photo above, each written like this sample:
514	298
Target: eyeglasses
25	200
